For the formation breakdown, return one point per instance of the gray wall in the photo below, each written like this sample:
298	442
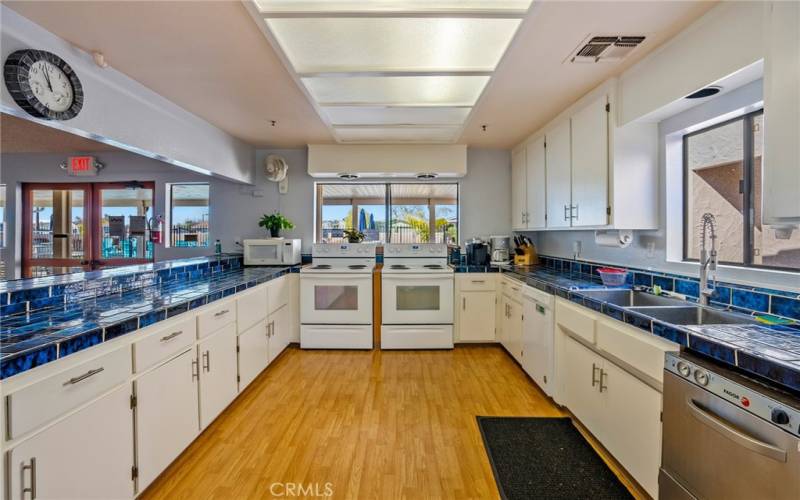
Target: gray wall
560	243
236	208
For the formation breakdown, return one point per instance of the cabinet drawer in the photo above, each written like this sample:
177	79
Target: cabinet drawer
165	342
215	317
54	396
511	286
251	307
635	347
477	282
278	293
578	320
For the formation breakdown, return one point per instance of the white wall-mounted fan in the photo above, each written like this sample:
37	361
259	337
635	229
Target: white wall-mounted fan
276	169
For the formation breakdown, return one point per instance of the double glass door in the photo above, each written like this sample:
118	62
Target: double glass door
85	226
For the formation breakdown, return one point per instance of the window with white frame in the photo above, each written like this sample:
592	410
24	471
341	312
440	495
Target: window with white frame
188	214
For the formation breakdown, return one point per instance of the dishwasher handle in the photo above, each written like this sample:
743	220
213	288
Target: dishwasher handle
735	435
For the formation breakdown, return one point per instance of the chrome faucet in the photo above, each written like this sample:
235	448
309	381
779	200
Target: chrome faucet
708	259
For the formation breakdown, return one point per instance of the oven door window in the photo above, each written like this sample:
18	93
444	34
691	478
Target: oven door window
267	252
335	298
417	298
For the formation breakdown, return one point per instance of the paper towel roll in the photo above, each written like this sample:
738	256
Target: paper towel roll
617	239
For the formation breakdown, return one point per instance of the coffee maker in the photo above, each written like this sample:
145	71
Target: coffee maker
501	249
477	252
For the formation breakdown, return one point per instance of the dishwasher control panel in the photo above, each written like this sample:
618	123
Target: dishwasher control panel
759	404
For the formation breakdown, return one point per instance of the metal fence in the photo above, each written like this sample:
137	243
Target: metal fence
398	234
189	235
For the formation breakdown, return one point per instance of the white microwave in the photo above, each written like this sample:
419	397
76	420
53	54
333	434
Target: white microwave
271	252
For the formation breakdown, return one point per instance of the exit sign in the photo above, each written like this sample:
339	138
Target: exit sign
82	166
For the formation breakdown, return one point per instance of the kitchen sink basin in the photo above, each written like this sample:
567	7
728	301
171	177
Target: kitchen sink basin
631	298
693	315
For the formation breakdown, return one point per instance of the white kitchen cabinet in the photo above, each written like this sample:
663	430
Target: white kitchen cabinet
535	184
512	324
476	322
89	454
253	351
580	373
518	196
632	424
252	306
589	151
558	156
166	415
781	156
279	330
217	357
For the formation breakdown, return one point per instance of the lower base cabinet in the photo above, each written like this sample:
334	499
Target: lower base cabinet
216	355
621	411
512	326
253	352
89	454
280	331
166	415
476	322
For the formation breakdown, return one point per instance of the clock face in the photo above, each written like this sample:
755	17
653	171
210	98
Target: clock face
43	84
50	85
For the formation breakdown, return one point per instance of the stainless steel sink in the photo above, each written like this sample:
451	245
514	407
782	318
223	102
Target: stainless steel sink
631	298
693	315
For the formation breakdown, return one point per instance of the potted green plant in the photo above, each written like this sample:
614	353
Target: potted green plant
354	235
275	222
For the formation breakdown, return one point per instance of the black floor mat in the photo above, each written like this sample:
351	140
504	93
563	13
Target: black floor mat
546	458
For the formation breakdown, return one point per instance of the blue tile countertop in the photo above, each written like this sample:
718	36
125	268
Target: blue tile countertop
771	352
44	332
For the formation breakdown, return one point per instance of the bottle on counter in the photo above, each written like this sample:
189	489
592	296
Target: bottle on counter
218	247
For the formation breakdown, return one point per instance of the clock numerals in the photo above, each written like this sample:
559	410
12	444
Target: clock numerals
43	84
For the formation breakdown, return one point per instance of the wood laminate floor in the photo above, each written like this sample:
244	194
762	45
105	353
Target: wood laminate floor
370	424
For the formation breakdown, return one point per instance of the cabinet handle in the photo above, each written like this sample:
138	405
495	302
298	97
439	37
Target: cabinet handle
32	488
478	281
594	370
463	303
603	375
195	370
221	313
515	289
75	380
271	328
171	336
577	212
207	361
566	208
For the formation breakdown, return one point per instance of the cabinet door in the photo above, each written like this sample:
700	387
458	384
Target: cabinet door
166	415
590	164
781	157
632	425
87	455
253	352
476	317
279	331
218	387
580	372
515	335
559	163
252	306
518	207
535	181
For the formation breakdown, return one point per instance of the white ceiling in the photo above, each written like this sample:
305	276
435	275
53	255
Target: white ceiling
192	48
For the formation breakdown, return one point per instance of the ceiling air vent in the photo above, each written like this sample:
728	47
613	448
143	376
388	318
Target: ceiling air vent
604	48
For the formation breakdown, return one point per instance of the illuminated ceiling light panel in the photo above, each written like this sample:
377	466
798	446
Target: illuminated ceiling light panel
339	6
398	134
397	90
352	45
387	115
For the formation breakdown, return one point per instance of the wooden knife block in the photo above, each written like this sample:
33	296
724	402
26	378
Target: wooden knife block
529	258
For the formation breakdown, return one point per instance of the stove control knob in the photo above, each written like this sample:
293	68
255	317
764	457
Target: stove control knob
683	369
701	377
779	416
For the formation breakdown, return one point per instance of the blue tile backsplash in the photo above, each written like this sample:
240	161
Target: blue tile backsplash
53	317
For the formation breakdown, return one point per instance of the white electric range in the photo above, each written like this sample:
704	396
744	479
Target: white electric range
336	297
417	297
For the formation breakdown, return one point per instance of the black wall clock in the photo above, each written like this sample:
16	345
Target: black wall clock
43	84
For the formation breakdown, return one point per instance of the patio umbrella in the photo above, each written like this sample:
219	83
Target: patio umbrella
362	223
372	222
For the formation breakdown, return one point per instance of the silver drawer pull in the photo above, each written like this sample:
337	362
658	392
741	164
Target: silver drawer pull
478	281
75	380
171	336
32	488
222	312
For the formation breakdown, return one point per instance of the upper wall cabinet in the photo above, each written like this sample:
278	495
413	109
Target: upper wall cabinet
519	209
584	172
781	167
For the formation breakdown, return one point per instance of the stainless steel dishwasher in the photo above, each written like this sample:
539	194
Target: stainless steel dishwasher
726	436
